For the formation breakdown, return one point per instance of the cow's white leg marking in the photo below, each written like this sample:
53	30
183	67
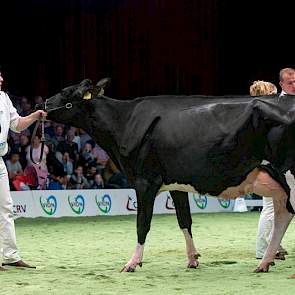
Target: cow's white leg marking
191	251
282	219
264	185
260	182
135	260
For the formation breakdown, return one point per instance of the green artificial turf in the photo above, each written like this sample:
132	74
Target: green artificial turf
84	256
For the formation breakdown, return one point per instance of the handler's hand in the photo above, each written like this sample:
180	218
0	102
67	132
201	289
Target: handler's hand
39	113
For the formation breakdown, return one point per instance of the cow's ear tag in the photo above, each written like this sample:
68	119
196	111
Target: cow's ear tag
87	95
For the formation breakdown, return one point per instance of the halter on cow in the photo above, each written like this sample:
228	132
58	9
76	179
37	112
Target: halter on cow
213	144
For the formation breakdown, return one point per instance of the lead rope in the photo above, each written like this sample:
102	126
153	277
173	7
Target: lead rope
40	121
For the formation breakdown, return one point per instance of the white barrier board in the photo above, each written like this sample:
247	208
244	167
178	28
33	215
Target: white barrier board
103	202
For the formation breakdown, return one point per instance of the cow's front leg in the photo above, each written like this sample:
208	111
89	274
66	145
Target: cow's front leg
184	219
282	219
146	194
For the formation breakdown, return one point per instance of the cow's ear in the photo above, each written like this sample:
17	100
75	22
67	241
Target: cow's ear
98	89
103	83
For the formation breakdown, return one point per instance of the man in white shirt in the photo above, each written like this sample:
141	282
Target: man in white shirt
287	81
9	119
266	220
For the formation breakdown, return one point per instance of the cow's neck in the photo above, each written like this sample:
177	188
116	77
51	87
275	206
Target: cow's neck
105	123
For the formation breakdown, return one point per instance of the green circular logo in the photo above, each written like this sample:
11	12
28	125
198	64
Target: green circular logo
201	201
224	203
49	204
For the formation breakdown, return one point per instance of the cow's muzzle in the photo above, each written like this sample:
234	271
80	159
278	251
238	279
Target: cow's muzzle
45	107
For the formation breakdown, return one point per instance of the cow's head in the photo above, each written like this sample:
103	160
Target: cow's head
66	106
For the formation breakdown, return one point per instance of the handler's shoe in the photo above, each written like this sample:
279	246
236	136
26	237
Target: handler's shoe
19	263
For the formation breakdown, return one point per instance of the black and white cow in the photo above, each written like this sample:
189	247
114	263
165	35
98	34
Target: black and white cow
214	145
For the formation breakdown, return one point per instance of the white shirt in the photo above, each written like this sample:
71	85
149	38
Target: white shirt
8	120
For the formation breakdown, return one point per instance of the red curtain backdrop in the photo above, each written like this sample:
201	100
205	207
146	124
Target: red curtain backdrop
147	47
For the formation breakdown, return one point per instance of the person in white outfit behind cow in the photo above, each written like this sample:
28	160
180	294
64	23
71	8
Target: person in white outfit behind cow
9	119
266	220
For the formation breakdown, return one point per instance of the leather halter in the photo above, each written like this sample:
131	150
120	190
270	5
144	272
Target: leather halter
41	121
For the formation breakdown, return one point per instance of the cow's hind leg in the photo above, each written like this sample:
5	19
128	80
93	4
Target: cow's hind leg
282	219
146	193
264	185
184	218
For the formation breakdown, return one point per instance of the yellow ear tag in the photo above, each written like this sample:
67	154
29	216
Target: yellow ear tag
87	95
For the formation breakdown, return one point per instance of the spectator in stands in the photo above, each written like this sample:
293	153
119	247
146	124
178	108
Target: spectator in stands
49	129
67	163
41	167
27	181
113	178
76	139
86	156
77	179
16	136
266	219
69	146
26	107
54	166
38	100
90	174
22	150
14	167
84	137
58	135
55	183
101	157
98	182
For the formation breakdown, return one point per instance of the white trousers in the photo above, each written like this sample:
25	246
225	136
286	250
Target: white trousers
7	229
265	226
266	219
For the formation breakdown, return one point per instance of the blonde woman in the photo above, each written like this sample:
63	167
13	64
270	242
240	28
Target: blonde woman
260	88
266	220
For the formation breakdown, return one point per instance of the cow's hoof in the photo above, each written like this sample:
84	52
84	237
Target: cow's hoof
192	266
280	256
260	269
128	269
284	251
264	268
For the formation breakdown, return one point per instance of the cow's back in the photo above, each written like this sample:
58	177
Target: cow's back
202	141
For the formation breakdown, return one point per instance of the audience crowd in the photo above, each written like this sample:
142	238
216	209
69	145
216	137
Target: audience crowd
71	159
